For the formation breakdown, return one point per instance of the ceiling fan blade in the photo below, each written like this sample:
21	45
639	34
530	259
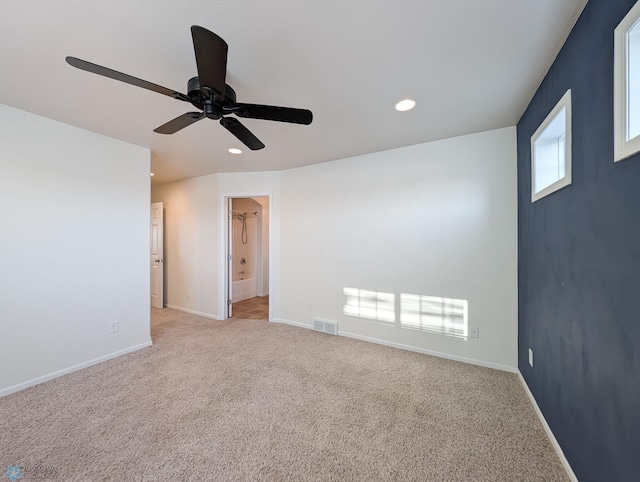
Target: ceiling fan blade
242	133
127	79
179	122
211	59
274	113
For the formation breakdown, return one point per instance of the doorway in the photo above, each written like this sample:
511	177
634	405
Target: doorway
247	273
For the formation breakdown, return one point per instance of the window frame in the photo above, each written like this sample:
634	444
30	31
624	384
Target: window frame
623	148
563	103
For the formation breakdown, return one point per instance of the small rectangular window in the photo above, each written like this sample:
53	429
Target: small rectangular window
551	151
626	120
633	85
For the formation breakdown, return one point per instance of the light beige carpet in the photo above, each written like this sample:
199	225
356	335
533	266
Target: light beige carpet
246	400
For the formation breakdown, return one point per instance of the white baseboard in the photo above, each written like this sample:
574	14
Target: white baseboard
292	323
471	361
65	371
554	442
193	312
416	349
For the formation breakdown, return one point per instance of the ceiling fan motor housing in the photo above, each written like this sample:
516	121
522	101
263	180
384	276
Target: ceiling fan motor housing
201	100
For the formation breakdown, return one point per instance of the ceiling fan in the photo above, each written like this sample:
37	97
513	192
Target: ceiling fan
208	92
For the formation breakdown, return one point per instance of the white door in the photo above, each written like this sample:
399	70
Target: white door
229	257
157	256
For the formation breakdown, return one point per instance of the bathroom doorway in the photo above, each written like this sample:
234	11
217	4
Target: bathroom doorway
248	257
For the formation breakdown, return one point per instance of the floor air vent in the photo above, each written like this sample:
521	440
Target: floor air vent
325	326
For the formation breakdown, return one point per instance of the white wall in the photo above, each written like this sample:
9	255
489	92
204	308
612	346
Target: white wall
194	238
436	219
191	219
74	248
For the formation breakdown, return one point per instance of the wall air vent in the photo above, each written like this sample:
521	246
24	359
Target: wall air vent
325	326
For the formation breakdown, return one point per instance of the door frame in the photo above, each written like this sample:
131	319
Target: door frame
225	236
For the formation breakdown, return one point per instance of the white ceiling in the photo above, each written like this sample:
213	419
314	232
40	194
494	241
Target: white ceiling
471	65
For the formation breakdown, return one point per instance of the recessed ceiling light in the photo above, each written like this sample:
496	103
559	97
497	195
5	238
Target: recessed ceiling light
234	150
405	104
152	174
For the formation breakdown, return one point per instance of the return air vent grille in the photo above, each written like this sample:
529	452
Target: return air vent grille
325	326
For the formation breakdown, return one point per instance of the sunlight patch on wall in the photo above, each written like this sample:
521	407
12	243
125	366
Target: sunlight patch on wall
431	314
447	316
373	305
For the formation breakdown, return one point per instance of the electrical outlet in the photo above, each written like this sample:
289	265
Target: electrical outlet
530	357
310	306
188	294
474	332
114	326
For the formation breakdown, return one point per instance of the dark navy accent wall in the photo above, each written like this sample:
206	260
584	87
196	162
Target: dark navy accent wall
579	265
